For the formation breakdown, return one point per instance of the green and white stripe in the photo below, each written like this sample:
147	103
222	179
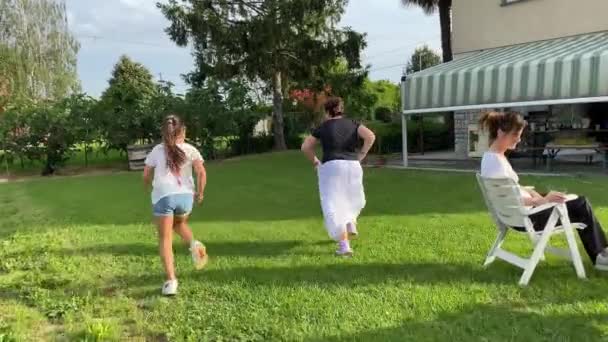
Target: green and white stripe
552	70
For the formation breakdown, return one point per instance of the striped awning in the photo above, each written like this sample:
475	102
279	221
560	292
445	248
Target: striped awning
553	70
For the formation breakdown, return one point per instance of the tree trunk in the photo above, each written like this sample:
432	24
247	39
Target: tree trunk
445	20
278	126
86	155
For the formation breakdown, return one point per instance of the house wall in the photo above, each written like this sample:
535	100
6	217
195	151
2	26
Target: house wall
483	24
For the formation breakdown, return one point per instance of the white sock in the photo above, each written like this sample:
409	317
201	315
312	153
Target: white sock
193	243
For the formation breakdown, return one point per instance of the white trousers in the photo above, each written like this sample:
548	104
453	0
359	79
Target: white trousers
342	194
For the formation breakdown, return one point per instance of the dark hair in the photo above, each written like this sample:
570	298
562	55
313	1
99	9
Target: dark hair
507	122
173	128
332	106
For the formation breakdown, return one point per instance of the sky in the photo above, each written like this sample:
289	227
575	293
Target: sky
110	28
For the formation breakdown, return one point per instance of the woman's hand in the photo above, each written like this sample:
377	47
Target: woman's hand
198	197
555	197
316	163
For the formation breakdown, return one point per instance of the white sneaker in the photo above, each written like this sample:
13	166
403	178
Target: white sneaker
601	261
170	288
199	254
344	249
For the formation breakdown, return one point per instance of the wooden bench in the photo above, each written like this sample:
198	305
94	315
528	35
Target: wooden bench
137	156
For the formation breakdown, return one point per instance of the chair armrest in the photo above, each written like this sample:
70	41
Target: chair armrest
527	187
541	208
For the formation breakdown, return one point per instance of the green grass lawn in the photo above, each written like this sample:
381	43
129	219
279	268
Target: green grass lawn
78	261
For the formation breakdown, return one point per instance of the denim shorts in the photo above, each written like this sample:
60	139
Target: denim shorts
174	205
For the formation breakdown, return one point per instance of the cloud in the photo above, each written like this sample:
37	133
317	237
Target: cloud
71	18
87	28
78	27
141	5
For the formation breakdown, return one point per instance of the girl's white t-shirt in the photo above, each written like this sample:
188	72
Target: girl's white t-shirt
495	165
166	183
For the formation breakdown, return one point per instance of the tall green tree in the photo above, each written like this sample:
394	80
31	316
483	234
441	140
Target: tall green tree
444	7
422	58
38	51
126	115
351	86
280	42
83	121
386	92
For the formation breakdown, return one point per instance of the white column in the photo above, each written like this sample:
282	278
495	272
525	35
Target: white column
403	121
404	138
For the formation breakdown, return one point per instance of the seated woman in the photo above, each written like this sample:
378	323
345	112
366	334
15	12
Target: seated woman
504	130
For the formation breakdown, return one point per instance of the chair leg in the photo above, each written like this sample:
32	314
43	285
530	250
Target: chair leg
492	253
573	247
542	257
539	250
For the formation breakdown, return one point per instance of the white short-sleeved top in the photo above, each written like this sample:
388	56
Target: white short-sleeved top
166	183
495	165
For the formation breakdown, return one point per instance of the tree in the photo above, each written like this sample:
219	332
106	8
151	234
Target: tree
386	92
280	42
15	133
423	58
37	49
53	133
125	105
445	20
39	130
350	85
83	121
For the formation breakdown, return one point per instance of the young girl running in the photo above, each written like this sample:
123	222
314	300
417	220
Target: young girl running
168	168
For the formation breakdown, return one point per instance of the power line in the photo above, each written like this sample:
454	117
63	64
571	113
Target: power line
94	38
388	67
181	84
379	54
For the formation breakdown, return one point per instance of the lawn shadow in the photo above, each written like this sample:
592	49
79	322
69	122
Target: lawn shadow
216	249
274	187
351	274
487	323
341	275
558	282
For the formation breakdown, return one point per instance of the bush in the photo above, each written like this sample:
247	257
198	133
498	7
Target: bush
261	144
389	140
248	145
383	114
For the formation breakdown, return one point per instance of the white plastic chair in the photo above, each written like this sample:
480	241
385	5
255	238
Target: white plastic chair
505	204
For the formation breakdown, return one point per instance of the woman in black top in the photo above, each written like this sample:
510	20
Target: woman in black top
340	172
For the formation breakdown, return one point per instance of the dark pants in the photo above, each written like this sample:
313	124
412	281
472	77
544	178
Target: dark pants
580	211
